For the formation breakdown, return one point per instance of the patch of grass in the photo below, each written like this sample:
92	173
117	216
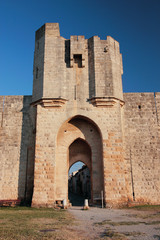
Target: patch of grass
108	222
128	223
35	224
103	222
133	234
111	235
146	207
152	223
125	223
146	216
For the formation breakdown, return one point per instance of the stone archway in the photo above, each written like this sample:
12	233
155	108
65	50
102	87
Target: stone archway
81	132
80	183
80	150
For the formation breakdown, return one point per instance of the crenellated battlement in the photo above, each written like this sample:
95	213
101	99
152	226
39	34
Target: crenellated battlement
85	68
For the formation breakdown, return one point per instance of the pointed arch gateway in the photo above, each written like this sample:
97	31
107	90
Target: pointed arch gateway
79	139
80	150
79	183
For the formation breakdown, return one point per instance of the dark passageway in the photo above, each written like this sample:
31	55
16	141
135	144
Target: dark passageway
79	186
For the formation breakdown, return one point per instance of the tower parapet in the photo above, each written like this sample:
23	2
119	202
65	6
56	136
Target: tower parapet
105	68
77	68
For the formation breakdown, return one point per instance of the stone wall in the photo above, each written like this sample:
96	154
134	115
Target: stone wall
16	147
130	148
142	145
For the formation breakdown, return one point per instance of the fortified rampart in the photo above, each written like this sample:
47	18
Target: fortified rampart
17	137
78	112
142	144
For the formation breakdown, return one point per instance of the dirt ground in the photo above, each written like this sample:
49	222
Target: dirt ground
117	224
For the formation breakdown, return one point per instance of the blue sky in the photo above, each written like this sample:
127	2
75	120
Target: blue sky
75	167
134	23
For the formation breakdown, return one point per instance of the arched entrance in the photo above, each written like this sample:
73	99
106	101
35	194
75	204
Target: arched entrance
79	139
80	182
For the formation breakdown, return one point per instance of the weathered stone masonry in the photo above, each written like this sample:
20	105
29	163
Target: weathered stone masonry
142	144
78	101
17	134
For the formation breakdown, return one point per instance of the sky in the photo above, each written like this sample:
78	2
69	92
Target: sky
135	24
75	167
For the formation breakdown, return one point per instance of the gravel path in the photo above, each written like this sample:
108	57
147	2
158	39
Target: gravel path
117	224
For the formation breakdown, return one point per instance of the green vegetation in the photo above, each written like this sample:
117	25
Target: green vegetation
128	223
22	223
146	207
111	235
108	222
146	212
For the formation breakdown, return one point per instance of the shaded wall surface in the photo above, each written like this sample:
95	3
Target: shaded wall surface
17	132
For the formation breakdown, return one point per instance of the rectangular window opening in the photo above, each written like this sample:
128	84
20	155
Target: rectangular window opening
78	60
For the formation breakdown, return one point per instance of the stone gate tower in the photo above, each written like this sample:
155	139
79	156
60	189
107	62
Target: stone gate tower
77	90
78	112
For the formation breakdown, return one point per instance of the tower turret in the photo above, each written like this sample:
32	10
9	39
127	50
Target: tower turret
75	69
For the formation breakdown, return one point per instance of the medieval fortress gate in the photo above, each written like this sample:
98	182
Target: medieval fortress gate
78	111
